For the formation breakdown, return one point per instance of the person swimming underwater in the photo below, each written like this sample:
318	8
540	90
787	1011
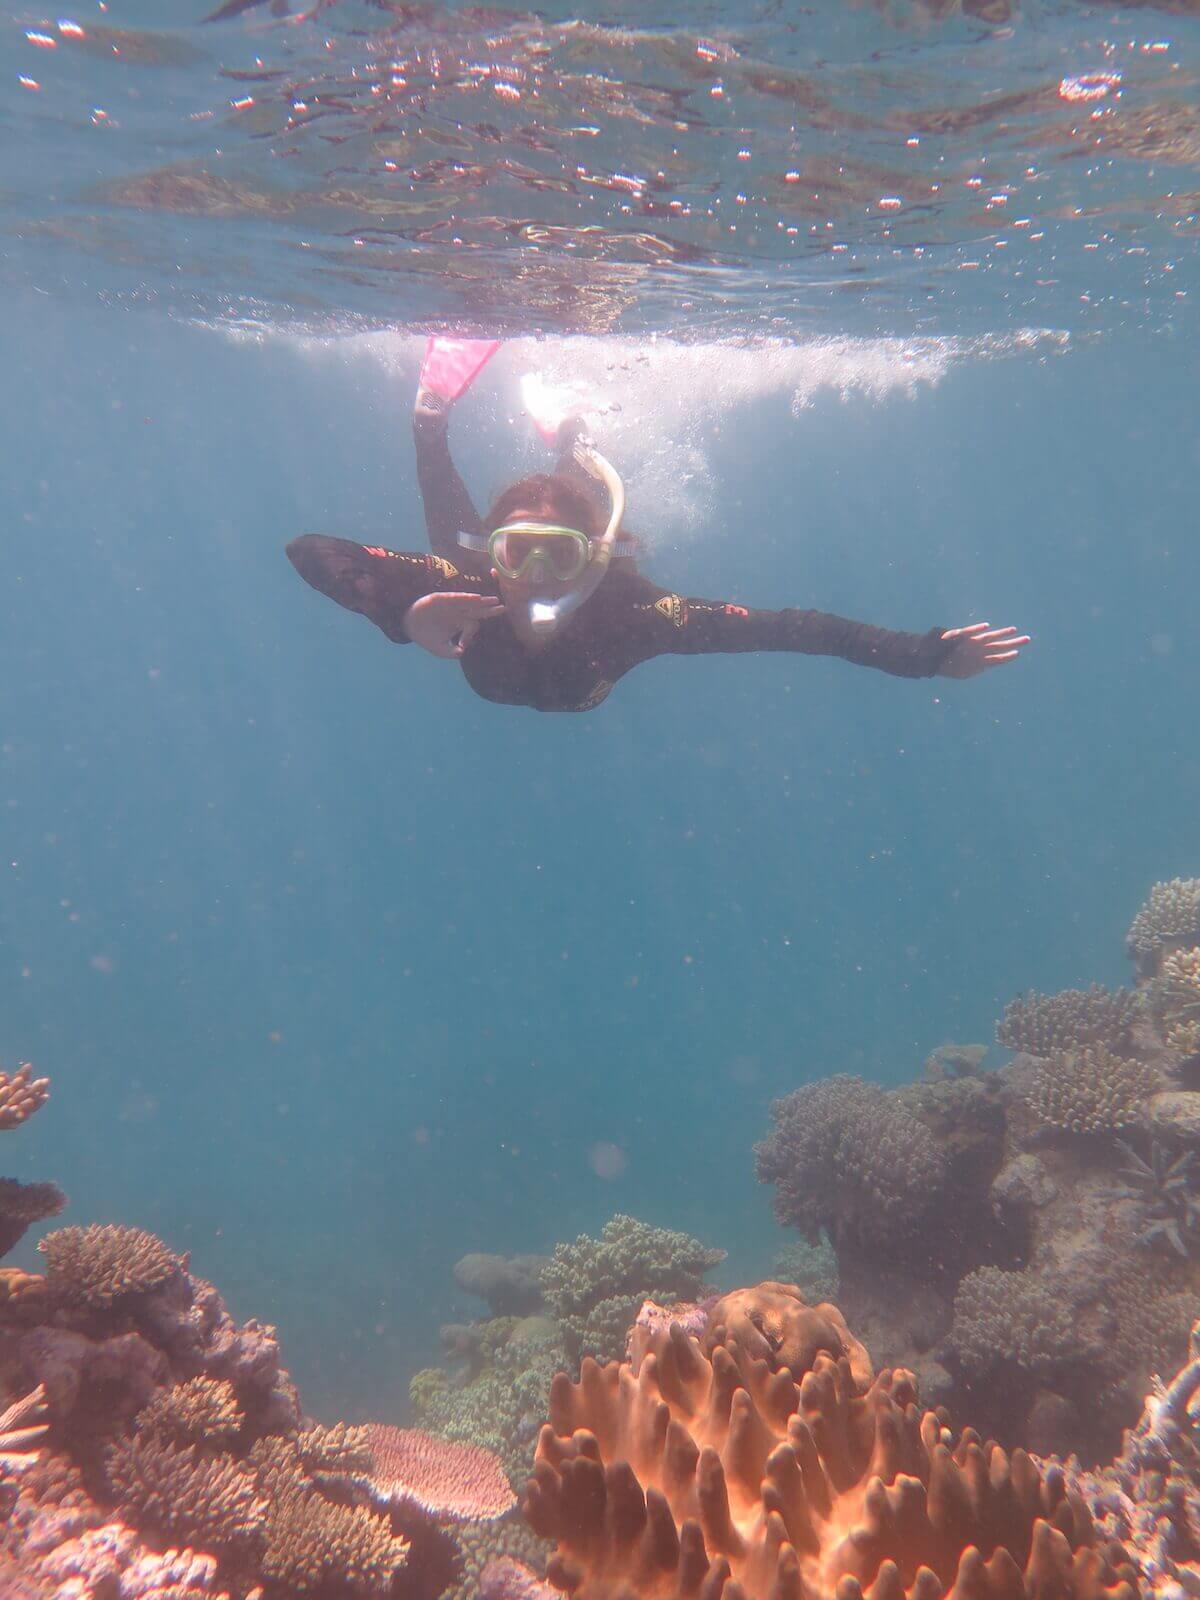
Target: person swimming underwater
542	604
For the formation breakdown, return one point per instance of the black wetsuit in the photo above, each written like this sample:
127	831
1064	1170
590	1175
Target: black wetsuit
626	621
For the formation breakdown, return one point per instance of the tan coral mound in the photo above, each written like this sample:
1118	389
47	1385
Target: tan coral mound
676	1475
774	1323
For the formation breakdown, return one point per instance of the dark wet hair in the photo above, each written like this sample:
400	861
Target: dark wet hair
552	497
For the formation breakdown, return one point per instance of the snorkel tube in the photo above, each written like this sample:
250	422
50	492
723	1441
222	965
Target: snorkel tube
546	616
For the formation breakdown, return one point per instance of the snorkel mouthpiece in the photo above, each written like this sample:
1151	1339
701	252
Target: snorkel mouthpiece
545	616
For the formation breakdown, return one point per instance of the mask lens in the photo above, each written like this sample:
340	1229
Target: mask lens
563	553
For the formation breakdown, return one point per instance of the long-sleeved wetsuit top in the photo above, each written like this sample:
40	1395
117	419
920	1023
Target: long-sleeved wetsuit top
626	621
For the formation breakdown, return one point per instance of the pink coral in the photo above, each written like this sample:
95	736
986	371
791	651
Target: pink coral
691	1315
449	1481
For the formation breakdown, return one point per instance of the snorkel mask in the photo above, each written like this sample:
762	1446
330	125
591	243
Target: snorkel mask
537	551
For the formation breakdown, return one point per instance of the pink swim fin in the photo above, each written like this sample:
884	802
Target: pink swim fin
451	366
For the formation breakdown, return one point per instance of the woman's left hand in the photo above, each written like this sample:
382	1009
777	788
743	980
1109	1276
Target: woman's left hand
977	647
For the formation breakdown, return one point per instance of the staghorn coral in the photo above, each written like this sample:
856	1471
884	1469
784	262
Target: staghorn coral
200	1411
1183	1039
21	1094
1089	1090
23	1204
98	1265
310	1542
1013	1319
446	1479
682	1475
1169	919
850	1158
593	1288
1046	1024
178	1492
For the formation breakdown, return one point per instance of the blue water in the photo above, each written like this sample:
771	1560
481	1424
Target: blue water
339	971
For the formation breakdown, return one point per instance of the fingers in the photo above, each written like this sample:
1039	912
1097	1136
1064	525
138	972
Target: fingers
971	631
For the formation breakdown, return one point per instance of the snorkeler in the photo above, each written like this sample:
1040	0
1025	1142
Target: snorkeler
542	603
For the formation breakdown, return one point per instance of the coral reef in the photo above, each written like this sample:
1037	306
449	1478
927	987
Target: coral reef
684	1474
1169	920
593	1287
1148	1498
508	1540
1047	1025
21	1094
1039	1265
1089	1090
97	1266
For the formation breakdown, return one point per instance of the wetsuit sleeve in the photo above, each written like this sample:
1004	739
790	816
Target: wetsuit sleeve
672	624
377	583
449	510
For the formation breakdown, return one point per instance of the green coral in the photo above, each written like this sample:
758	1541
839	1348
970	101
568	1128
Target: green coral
1012	1318
813	1268
595	1287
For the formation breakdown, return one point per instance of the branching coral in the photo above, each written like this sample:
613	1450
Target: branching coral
594	1287
98	1265
1089	1090
1170	918
311	1542
200	1411
181	1493
848	1157
21	1094
813	1268
681	1475
1044	1025
1012	1319
340	1450
1173	996
1165	1189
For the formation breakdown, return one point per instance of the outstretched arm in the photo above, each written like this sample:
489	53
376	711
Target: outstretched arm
662	623
384	585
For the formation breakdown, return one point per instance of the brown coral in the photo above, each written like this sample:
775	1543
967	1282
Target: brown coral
1013	1318
209	1502
338	1451
1169	919
200	1411
97	1265
1089	1090
310	1542
21	1094
445	1479
1173	997
23	1204
679	1476
773	1323
1044	1024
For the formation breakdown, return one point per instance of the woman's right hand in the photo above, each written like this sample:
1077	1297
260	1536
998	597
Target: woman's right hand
445	623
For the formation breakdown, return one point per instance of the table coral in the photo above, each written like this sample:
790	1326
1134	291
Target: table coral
446	1479
680	1474
23	1204
594	1287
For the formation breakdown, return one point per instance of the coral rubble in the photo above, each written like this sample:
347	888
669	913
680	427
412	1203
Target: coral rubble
722	1474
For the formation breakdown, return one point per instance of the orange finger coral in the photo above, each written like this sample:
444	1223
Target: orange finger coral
21	1094
721	1477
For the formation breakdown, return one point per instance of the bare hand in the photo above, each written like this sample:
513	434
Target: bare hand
976	648
445	624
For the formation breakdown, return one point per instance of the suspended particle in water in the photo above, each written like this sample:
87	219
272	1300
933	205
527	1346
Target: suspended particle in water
607	1160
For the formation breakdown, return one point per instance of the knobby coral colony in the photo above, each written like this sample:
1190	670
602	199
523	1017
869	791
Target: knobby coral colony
1024	1239
154	1449
768	1462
